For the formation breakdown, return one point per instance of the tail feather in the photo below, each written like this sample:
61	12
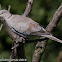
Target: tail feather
52	38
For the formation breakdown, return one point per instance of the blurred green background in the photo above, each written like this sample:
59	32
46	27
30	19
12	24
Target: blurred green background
42	12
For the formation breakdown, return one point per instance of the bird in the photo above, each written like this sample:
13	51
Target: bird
24	26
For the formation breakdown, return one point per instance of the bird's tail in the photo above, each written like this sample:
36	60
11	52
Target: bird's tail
52	38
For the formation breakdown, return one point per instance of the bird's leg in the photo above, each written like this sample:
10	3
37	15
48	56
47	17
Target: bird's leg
18	39
1	27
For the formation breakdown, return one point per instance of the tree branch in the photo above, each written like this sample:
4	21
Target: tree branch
0	7
56	18
39	50
9	7
18	50
28	7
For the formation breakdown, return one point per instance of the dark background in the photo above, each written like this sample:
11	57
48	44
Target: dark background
42	12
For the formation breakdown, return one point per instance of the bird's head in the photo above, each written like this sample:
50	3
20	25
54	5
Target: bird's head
4	13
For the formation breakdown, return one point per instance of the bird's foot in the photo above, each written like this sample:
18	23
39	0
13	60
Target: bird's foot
17	41
20	40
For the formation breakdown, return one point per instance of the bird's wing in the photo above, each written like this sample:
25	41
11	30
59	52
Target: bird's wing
17	22
23	24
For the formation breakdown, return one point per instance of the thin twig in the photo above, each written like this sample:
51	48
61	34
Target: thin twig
9	7
28	7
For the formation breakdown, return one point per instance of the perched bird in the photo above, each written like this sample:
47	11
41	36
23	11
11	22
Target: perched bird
25	26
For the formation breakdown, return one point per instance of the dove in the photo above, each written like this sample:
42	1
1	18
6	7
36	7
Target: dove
24	26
